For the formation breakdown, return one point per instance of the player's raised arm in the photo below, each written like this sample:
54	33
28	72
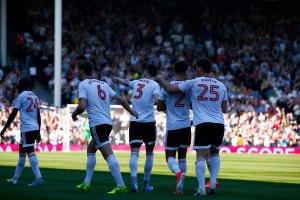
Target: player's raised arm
10	119
125	105
80	108
120	80
167	86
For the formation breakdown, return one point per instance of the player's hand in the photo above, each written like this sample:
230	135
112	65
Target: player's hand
74	117
134	113
159	77
115	79
38	140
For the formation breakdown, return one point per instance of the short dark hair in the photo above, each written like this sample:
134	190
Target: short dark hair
205	64
25	83
181	67
152	70
86	66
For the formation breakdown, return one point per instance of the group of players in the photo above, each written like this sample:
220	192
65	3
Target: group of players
206	96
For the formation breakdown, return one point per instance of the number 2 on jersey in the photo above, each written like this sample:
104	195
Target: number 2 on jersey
178	103
139	90
32	104
212	90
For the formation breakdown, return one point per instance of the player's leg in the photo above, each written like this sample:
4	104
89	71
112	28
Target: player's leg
171	146
148	168
135	141
149	140
34	164
184	141
100	135
90	167
202	146
19	167
133	165
216	140
28	139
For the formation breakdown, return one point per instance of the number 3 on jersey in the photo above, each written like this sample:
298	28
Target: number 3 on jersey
139	90
32	105
212	90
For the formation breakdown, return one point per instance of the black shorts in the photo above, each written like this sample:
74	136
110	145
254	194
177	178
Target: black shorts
140	133
179	138
28	138
208	135
100	134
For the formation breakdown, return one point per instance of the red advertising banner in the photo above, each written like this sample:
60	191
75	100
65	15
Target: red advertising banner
39	148
224	149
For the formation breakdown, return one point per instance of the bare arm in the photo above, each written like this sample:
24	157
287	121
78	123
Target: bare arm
39	123
224	106
167	86
120	80
80	108
125	105
161	105
10	119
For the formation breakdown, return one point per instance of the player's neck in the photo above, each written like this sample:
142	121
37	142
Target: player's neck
148	77
210	75
86	77
180	77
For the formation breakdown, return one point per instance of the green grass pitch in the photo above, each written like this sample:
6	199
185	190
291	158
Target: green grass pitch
259	177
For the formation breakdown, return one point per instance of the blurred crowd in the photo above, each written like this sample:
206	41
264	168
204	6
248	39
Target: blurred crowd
247	129
255	53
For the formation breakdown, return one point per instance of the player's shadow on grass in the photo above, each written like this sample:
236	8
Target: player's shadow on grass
61	185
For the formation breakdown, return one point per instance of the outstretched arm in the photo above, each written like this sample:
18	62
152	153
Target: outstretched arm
80	108
167	86
120	80
10	119
125	105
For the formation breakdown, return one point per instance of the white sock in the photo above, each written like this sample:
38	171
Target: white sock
208	163
133	164
200	173
173	165
34	164
20	166
182	165
114	168
148	167
215	167
90	167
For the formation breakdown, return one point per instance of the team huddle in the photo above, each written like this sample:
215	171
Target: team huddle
205	96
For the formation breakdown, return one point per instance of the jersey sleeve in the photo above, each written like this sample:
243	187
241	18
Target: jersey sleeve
186	86
131	83
225	94
82	91
18	102
162	94
156	89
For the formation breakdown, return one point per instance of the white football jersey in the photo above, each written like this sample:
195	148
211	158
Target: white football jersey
28	103
98	95
143	99
178	108
207	95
